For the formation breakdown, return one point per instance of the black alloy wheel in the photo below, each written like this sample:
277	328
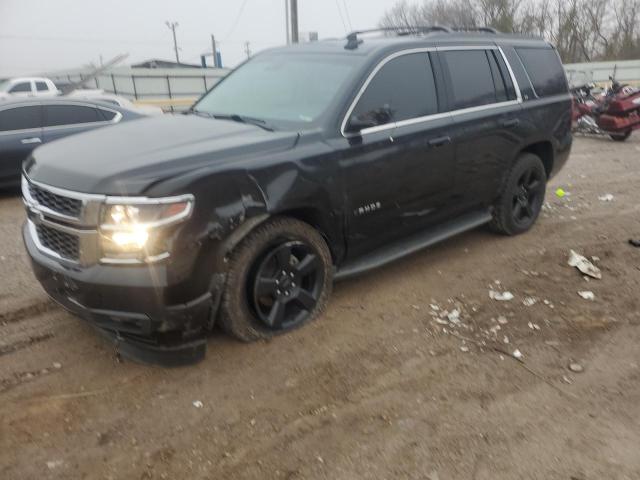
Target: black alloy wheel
287	285
526	197
519	204
279	278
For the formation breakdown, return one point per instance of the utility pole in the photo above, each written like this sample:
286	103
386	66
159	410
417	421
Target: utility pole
286	23
294	21
172	26
214	50
247	50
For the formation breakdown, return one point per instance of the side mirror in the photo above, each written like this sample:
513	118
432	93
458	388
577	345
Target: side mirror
372	118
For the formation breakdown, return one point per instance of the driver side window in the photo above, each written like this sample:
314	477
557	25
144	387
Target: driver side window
404	88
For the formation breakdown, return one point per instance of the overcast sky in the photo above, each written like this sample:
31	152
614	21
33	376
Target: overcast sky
45	35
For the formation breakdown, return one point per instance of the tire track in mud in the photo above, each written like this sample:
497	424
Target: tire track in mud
20	344
26	312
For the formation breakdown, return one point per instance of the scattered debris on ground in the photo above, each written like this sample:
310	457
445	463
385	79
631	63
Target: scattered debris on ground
587	295
584	265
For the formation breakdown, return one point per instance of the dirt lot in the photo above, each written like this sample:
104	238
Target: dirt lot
377	388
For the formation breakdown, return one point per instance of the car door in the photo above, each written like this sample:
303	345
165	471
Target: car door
63	119
400	166
487	128
20	133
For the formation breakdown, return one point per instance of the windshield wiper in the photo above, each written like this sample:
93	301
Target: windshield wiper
200	113
258	122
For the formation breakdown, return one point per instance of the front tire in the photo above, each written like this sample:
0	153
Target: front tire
280	277
520	202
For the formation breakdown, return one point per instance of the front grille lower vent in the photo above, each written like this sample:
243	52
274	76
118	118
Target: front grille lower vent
64	244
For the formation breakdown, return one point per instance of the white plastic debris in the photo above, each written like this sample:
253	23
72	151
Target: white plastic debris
502	320
534	326
198	404
454	316
495	329
500	296
434	307
607	197
587	295
517	354
505	339
57	365
464	348
576	367
529	301
54	464
584	265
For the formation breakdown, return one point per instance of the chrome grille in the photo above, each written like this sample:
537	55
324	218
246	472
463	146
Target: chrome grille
64	244
71	207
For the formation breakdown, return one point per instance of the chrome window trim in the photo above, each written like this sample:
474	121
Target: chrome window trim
435	116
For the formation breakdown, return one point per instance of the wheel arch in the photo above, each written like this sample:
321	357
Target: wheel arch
544	151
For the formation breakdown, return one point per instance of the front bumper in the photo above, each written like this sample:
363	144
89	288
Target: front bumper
128	304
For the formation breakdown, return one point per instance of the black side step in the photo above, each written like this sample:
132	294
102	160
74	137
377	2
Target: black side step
412	244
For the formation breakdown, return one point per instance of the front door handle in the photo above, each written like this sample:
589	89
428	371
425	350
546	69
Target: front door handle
28	141
512	122
439	141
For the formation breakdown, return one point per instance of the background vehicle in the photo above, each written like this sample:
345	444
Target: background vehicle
101	96
28	123
307	163
615	112
27	87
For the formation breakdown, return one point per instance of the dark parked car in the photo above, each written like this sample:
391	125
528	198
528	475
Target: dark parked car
306	164
26	123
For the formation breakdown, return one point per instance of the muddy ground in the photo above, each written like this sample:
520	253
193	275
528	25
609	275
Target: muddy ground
381	387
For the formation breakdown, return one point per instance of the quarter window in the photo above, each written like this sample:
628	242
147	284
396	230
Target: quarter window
544	69
20	118
42	87
70	115
21	87
402	89
471	78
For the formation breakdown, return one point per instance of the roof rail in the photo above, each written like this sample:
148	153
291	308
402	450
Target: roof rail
353	41
477	29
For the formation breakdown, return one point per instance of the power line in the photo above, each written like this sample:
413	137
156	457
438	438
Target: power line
172	26
344	25
235	22
346	10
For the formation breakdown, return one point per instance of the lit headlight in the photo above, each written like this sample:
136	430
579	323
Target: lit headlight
132	228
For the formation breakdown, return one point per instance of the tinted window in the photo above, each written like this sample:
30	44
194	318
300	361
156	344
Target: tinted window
42	87
404	87
471	78
20	118
544	69
21	87
70	114
108	114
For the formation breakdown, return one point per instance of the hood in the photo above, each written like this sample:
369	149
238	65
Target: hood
126	159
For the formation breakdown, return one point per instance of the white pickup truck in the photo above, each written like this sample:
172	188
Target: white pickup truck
28	87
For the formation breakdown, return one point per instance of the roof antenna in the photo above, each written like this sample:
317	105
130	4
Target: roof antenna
352	41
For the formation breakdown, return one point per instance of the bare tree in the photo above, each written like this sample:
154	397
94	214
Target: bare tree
581	30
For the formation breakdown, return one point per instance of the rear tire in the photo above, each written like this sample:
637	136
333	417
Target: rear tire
280	277
520	202
620	137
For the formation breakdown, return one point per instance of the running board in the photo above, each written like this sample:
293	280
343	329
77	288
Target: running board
412	244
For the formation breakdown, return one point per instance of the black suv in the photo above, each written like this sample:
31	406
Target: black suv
306	164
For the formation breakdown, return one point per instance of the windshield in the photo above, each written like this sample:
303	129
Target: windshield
283	89
4	85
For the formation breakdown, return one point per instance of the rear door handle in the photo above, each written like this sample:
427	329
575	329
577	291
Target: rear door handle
513	122
28	141
439	141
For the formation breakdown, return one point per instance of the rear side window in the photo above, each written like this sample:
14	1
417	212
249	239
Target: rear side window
20	118
471	78
21	87
544	69
70	114
42	87
404	86
108	114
